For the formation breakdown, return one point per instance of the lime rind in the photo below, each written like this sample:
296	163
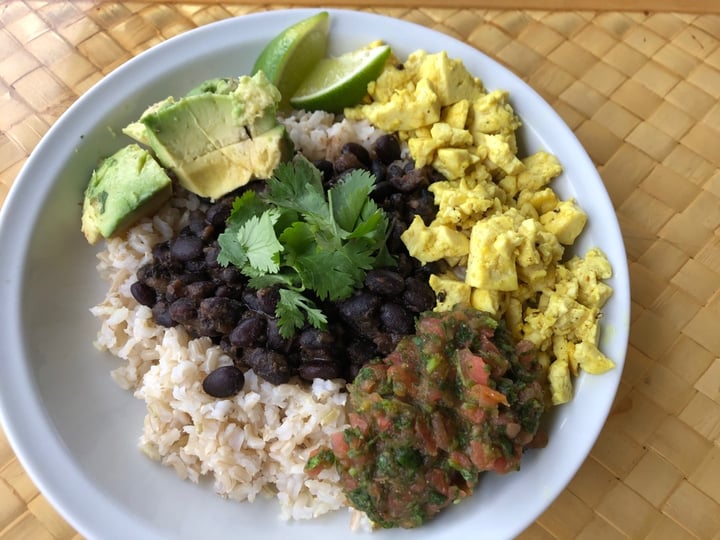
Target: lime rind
289	57
337	83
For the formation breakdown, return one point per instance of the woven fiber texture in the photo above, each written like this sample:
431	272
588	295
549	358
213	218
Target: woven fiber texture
641	91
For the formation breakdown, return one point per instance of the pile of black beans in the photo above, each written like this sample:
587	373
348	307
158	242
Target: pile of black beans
185	285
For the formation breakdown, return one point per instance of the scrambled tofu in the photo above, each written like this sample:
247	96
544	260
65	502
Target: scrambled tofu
500	227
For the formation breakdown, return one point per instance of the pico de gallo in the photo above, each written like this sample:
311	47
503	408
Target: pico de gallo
454	400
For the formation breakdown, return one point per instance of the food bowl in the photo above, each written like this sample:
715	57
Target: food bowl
76	432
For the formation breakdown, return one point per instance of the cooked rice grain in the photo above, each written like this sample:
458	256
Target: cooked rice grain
321	135
258	441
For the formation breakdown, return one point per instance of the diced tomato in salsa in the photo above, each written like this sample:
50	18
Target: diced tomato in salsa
450	402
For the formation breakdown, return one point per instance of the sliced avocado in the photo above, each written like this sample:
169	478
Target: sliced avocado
125	187
207	138
223	85
223	170
138	130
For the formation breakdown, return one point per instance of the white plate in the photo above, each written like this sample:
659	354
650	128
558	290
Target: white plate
76	432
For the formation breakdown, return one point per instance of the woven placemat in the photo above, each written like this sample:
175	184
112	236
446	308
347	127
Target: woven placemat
641	92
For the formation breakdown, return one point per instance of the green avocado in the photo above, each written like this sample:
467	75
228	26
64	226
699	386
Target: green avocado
218	137
222	170
125	187
223	85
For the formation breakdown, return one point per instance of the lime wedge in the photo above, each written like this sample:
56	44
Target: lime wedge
292	54
336	83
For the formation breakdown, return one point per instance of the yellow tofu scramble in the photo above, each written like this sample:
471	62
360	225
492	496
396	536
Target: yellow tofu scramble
500	226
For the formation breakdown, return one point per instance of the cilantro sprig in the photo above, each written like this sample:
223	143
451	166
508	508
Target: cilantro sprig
310	244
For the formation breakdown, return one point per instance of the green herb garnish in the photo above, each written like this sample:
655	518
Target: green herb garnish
294	237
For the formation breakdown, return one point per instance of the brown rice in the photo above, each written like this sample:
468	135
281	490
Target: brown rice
256	442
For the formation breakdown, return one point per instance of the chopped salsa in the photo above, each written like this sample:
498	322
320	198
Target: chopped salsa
454	400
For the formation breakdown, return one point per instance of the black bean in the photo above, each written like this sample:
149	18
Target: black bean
396	319
268	298
382	190
360	313
231	275
418	295
229	291
352	371
394	240
175	290
270	365
426	270
197	223
218	213
347	162
379	171
360	351
387	148
386	342
203	327
196	267
275	340
186	248
227	347
395	168
359	151
411	180
200	289
326	169
186	231
358	306
223	313
317	355
258	186
436	176
161	314
183	310
143	293
264	300
406	265
422	203
394	205
209	233
146	271
161	252
211	256
314	338
154	276
250	332
319	370
384	282
224	382
193	273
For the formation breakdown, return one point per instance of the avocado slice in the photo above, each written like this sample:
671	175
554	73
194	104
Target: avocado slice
218	137
221	85
126	186
223	170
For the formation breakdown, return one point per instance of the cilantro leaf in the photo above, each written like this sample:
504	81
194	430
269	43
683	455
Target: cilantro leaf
326	273
257	237
298	186
307	243
292	309
348	197
299	240
373	227
261	281
231	252
245	207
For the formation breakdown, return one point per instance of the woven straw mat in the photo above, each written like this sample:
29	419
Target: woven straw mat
641	92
